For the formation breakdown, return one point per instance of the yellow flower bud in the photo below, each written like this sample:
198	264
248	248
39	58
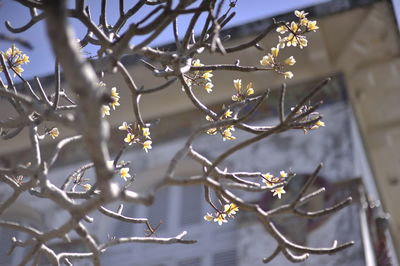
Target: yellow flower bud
105	110
267	60
87	187
208	217
282	29
208	87
124	173
54	133
147	145
275	51
294	27
124	126
290	61
238	84
288	74
312	25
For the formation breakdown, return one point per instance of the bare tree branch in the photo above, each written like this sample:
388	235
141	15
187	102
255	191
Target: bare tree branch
86	99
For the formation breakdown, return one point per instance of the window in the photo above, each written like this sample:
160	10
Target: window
190	262
191	205
5	244
158	212
124	229
224	258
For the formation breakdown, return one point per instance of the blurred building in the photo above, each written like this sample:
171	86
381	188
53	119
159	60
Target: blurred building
358	46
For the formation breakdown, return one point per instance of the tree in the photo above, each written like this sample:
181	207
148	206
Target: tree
180	68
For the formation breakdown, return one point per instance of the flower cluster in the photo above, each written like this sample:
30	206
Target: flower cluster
137	134
308	118
241	94
271	60
271	181
296	37
200	78
225	131
79	180
120	169
296	31
220	217
317	125
15	58
105	109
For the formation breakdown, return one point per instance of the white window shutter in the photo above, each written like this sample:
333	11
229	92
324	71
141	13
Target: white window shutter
159	210
5	244
225	258
191	205
124	229
190	262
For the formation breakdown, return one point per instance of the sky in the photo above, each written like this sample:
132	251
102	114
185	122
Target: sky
41	57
